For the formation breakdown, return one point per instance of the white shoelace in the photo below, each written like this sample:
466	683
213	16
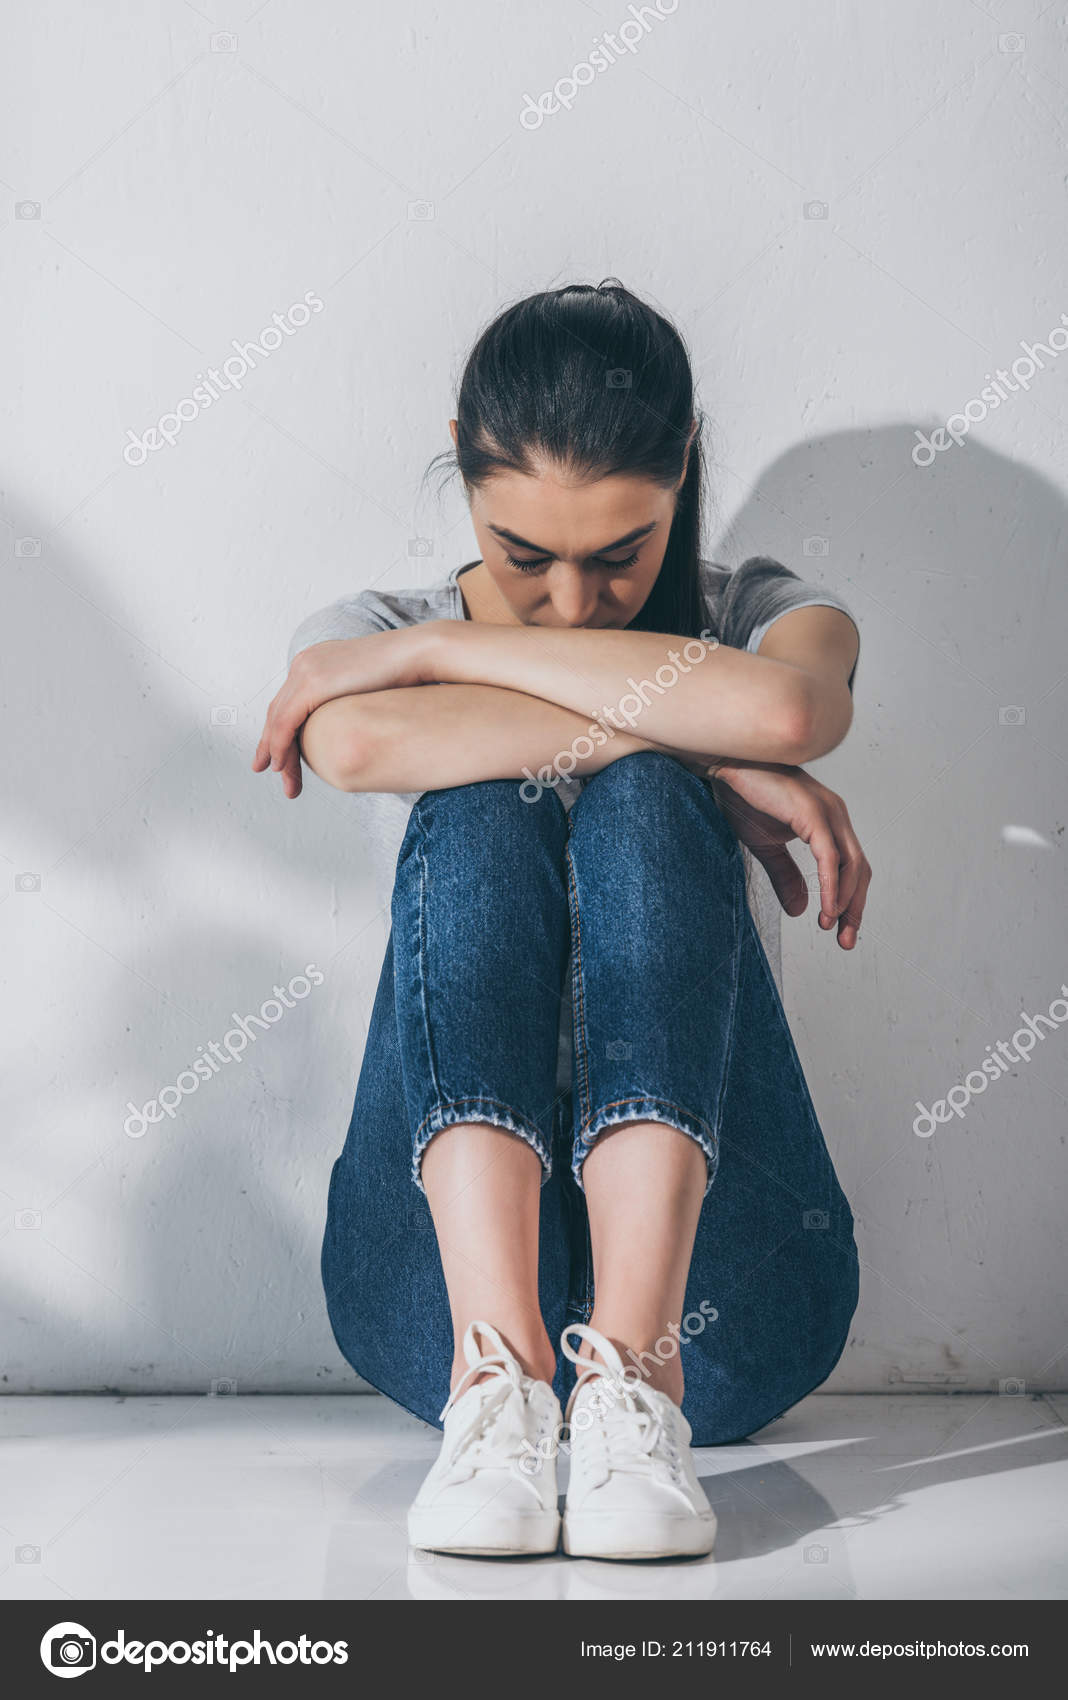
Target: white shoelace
628	1432
497	1426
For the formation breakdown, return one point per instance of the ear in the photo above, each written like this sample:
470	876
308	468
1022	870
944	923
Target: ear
452	431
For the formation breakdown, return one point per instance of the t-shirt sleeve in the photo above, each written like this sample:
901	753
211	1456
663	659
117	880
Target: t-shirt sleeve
761	591
352	616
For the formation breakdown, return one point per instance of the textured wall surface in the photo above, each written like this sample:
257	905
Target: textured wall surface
855	214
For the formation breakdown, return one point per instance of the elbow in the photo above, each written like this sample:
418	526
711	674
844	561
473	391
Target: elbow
340	741
814	720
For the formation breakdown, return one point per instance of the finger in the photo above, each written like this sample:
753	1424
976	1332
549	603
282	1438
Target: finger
786	877
824	847
849	923
262	758
292	777
283	733
849	876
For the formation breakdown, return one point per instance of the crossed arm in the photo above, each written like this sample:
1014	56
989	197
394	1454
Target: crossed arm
510	701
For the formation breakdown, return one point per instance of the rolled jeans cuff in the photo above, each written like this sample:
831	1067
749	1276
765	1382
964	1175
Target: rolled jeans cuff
645	1109
453	1112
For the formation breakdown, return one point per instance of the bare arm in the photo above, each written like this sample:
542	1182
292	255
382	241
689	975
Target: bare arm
789	704
420	738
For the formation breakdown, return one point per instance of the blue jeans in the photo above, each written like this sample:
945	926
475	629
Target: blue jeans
676	1019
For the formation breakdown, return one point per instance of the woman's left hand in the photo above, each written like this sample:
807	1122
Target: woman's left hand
768	805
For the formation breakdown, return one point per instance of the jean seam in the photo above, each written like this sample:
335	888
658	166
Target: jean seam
493	1114
422	934
737	923
578	1001
651	1103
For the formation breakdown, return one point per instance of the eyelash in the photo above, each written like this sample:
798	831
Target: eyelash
536	566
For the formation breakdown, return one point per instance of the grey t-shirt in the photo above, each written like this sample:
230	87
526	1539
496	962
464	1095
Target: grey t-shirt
742	606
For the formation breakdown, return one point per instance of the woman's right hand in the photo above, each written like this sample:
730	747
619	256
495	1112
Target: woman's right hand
338	667
768	805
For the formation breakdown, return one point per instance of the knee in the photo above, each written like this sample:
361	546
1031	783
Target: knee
645	773
649	788
486	821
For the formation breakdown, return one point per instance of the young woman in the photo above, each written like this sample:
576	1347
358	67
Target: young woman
581	1118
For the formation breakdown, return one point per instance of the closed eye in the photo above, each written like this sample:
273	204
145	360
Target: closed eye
536	563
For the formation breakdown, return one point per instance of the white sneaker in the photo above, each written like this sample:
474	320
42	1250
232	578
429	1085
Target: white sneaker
493	1487
633	1490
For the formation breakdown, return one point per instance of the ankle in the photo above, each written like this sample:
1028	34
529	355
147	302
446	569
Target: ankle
644	1362
535	1357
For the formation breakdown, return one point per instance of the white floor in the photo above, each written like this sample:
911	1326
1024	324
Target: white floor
271	1497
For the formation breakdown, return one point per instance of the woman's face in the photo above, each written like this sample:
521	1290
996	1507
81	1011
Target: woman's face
562	553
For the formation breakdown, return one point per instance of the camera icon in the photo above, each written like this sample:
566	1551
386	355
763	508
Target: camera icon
420	211
421	546
27	209
815	1219
618	378
27	548
223	1387
27	882
70	1649
27	1219
616	1050
816	546
815	209
816	1554
1012	715
1012	1386
224	714
1011	43
27	1555
223	42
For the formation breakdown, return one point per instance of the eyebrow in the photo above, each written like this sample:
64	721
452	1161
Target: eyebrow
634	536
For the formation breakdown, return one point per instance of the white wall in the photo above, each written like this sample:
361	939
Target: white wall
186	196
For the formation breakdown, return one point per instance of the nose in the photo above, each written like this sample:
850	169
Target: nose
574	596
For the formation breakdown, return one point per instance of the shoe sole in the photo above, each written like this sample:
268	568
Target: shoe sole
481	1536
606	1534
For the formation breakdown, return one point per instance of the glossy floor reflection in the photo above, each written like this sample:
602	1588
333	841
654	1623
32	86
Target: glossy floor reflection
950	1497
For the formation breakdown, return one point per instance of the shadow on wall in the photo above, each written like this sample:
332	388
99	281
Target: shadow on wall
966	555
955	776
959	559
172	887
